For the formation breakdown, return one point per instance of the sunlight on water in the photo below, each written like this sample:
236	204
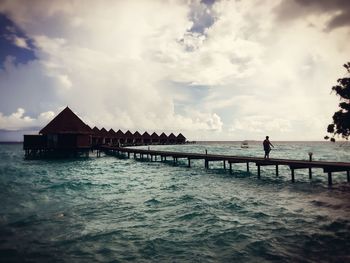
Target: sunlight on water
105	209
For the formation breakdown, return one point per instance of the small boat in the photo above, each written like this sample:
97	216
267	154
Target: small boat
244	144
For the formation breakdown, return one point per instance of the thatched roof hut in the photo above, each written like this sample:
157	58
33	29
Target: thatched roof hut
96	132
137	137
67	132
120	136
155	138
66	122
171	138
180	138
129	138
111	133
146	138
163	138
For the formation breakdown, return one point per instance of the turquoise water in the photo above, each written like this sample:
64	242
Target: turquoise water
115	210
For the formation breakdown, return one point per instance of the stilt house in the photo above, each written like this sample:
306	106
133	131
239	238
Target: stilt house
155	138
146	138
65	133
163	138
180	139
172	138
137	138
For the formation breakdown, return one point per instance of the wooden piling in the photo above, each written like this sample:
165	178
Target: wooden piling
248	167
230	168
329	178
258	171
189	162
276	170
310	173
293	180
224	162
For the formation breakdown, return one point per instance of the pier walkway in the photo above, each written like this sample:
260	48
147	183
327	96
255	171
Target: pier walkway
328	167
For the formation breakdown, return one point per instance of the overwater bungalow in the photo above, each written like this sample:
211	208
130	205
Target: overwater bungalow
146	138
96	138
172	138
137	138
65	135
129	137
155	138
180	139
163	138
104	135
112	136
120	136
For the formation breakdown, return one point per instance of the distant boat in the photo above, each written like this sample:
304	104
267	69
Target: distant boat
244	144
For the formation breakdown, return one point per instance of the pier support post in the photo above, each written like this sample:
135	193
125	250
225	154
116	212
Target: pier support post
247	167
329	178
258	171
128	155
230	168
189	162
310	173
174	160
293	180
134	155
348	175
224	164
276	170
206	164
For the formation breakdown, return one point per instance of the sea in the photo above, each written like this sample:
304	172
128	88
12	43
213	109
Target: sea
109	209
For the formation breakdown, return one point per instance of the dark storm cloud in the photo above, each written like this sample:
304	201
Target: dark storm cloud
290	9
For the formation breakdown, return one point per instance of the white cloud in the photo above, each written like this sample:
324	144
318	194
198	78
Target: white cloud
115	62
20	42
18	120
261	124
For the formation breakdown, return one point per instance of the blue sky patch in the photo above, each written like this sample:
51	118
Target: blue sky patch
8	34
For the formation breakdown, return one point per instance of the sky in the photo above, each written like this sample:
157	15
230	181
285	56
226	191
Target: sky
212	70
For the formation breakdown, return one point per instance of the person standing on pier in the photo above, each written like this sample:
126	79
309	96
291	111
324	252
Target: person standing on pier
267	147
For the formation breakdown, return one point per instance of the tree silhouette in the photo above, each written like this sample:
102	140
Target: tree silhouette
341	118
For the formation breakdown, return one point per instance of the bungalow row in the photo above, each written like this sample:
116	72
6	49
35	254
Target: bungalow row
100	137
67	133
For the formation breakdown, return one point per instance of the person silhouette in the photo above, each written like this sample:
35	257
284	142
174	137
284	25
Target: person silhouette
267	147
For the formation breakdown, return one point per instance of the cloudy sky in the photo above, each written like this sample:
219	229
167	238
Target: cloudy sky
213	70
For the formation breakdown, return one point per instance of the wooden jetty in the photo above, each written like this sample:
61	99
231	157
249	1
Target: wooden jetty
328	167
